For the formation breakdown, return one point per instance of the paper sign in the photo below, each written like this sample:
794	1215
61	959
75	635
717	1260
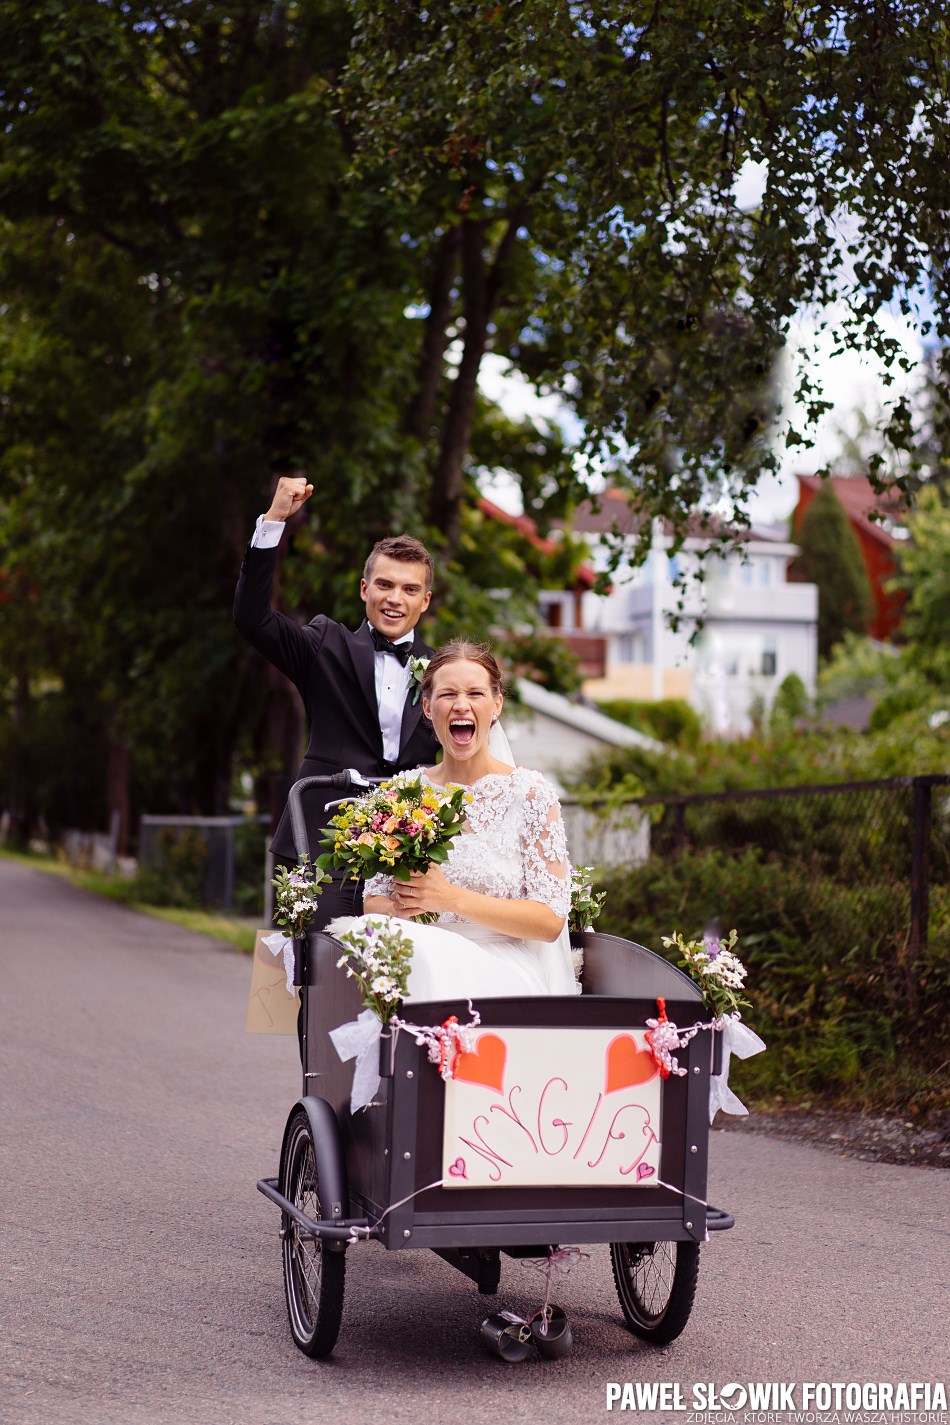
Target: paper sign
553	1108
270	1009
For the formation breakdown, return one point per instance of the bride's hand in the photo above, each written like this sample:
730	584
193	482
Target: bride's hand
425	891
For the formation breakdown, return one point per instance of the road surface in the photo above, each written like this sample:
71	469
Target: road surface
140	1268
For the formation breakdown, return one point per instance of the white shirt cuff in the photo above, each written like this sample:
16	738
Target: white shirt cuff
267	533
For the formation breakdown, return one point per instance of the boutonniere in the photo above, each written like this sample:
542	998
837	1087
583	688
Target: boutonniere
417	668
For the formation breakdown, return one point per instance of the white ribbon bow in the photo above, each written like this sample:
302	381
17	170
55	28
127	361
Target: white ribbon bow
360	1040
280	944
738	1039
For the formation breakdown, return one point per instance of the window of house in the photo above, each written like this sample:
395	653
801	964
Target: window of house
769	660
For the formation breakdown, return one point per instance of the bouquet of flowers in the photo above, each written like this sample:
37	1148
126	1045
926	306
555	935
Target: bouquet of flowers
715	967
586	903
401	826
295	902
378	957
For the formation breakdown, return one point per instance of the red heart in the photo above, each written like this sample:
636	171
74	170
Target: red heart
458	1169
628	1065
486	1065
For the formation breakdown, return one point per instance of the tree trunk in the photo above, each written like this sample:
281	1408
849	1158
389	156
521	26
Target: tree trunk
21	782
435	338
482	283
446	490
284	734
118	770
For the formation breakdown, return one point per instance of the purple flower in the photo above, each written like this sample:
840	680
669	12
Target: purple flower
713	948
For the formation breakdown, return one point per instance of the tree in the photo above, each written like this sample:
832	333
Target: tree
242	239
831	558
925	574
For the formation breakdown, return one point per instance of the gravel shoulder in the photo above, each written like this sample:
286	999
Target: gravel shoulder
867	1137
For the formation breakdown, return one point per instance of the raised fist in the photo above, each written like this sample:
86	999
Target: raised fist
292	492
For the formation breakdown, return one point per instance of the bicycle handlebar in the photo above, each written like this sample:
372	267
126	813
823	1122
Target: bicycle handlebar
346	780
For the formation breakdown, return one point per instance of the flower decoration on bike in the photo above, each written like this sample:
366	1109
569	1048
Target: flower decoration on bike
716	969
720	976
586	903
378	957
296	895
402	826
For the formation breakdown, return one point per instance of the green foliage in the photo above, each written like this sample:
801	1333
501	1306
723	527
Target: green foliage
250	846
828	973
831	558
543	658
238	240
791	699
925	574
782	756
175	875
858	667
667	719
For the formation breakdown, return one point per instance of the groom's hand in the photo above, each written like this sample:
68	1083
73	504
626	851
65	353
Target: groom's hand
292	492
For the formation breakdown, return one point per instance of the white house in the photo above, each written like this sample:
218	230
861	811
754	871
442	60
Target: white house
552	735
721	643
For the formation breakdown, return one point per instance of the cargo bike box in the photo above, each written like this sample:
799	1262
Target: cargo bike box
555	1130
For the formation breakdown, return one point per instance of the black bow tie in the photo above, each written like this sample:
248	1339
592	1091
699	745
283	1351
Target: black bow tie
382	645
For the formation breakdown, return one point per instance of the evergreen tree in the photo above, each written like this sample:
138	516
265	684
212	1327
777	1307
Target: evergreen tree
831	558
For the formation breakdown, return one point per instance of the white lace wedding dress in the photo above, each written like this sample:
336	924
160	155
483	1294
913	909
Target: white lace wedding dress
513	845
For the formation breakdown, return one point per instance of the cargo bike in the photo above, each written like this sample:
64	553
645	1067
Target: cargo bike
557	1129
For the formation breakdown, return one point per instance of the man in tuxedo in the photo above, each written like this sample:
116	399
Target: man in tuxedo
357	687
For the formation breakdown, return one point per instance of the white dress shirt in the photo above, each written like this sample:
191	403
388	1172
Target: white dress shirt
392	678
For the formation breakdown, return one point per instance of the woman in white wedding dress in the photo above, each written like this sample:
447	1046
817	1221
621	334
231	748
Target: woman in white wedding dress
503	895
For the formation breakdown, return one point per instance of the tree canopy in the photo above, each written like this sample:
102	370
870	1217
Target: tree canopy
242	239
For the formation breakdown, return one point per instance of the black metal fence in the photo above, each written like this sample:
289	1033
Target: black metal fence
894	832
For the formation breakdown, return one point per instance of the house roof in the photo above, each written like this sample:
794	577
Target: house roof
583	719
861	501
526	526
611	511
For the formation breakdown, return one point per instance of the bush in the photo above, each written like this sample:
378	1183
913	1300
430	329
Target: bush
845	1014
785	757
894	705
791	699
668	719
175	876
544	659
250	847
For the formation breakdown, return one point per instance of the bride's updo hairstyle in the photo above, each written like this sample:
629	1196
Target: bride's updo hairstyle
459	650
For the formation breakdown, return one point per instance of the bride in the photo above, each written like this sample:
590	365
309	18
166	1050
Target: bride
503	895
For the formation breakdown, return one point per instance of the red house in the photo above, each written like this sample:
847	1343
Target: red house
877	538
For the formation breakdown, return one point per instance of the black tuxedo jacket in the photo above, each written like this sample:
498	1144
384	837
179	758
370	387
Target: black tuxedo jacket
334	671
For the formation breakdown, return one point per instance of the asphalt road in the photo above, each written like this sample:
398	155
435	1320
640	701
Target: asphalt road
140	1269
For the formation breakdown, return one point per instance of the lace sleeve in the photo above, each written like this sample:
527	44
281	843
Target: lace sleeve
379	886
547	870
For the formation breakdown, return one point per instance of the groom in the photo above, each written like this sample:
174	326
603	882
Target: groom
357	688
